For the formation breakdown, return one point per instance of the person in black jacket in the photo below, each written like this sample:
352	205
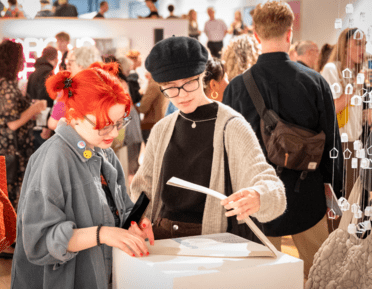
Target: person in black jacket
65	9
300	96
44	67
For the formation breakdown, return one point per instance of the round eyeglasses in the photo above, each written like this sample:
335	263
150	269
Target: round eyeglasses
107	129
174	91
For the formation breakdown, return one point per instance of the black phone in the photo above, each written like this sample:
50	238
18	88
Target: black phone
138	209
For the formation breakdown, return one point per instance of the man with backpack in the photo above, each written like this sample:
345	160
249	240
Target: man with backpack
299	96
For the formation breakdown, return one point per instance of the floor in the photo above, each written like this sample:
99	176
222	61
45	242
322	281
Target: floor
6	265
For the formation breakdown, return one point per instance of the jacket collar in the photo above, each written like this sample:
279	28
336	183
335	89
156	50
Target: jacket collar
72	138
273	56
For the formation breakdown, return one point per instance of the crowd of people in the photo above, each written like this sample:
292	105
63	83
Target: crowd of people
191	117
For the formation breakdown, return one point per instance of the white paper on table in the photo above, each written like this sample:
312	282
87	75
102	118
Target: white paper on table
190	186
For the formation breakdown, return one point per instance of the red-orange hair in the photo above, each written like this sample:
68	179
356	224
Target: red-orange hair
93	91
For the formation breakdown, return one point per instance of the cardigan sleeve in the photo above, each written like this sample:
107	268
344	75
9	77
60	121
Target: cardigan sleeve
249	169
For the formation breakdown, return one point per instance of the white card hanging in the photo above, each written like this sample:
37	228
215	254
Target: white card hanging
355	208
354	163
367	225
356	100
361	154
331	214
347	154
349	89
357	145
349	9
358	214
344	137
338	23
360	78
343	204
362	16
351	229
364	163
336	88
368	211
346	73
358	34
351	22
333	153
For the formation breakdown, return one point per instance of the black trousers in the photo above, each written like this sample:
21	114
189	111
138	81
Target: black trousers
215	48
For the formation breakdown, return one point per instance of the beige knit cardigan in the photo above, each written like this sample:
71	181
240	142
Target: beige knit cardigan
248	169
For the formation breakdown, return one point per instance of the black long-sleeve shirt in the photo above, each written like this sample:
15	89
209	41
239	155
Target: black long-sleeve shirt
300	96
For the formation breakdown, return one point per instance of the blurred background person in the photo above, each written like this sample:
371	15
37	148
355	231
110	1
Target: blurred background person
65	9
15	10
135	82
46	9
293	51
63	40
343	66
153	105
215	79
153	10
238	27
324	54
16	113
307	53
55	6
171	12
193	24
240	54
103	8
77	60
44	67
215	29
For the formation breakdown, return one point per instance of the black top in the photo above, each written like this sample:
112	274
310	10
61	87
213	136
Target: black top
63	66
300	96
99	15
36	81
66	10
152	13
299	61
188	157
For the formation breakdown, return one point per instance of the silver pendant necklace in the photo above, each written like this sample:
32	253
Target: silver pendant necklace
193	125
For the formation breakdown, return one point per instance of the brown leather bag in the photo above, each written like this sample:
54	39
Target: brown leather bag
288	145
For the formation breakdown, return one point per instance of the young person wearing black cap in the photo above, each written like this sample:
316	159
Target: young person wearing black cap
188	144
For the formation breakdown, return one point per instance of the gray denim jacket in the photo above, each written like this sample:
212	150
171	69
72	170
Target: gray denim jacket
62	191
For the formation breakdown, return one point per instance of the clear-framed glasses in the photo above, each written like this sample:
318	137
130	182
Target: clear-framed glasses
107	129
189	86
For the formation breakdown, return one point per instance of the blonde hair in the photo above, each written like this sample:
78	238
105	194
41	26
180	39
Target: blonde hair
272	19
339	52
85	56
241	53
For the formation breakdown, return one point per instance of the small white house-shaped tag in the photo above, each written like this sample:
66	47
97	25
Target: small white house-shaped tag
347	154
343	204
364	163
355	208
344	137
360	78
349	89
349	9
351	229
368	211
358	214
369	151
333	153
346	73
336	88
338	23
356	100
358	34
361	153
331	214
357	145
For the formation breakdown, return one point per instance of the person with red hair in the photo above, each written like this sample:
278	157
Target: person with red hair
73	201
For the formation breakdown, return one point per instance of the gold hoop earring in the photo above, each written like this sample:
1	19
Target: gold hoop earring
216	96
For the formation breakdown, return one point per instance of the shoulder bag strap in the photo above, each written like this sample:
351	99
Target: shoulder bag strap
270	119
